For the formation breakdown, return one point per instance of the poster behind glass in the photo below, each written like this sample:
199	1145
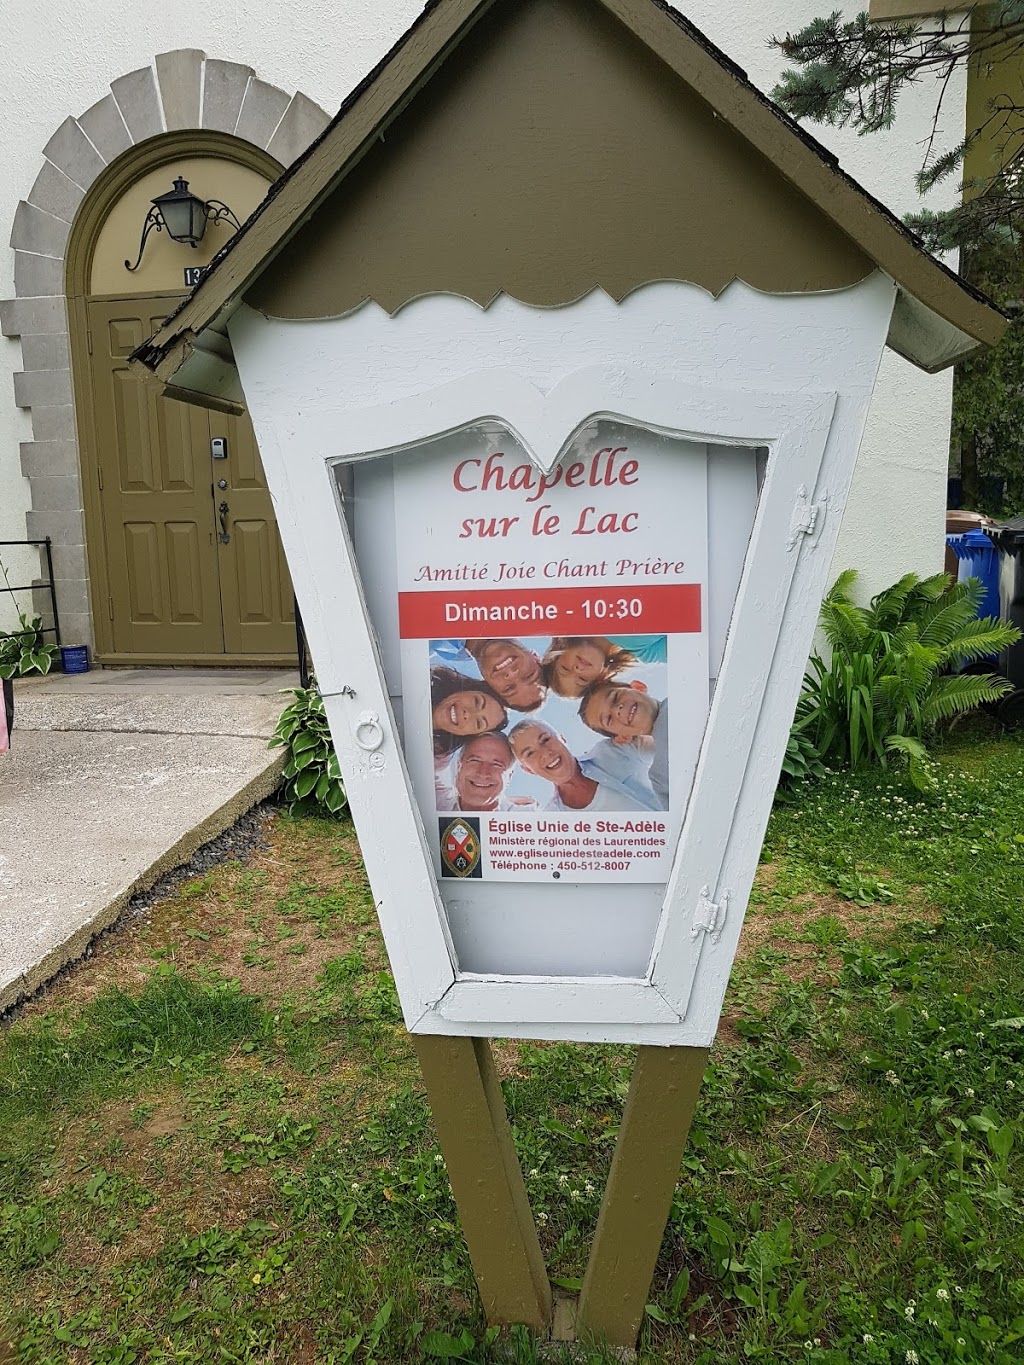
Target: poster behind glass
554	651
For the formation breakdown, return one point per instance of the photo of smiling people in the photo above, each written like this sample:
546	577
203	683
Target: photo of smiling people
510	733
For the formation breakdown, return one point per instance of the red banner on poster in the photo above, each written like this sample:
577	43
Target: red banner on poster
669	609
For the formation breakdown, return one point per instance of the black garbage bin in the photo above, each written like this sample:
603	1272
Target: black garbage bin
1009	540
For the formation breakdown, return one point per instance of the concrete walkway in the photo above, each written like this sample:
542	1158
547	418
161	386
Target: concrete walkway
115	777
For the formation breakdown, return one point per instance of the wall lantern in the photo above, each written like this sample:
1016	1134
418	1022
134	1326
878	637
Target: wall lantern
559	345
184	217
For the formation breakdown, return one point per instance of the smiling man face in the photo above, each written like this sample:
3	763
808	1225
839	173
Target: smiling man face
480	772
619	712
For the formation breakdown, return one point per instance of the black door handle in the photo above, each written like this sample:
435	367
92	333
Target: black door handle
222	511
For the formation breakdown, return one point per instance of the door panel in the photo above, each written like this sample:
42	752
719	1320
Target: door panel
162	573
174	588
259	610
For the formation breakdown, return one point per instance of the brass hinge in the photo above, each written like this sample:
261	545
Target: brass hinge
110	607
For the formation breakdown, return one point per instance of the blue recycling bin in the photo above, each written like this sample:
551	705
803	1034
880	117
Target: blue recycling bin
978	558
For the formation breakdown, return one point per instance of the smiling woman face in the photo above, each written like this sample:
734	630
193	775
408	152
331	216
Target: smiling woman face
468	713
543	754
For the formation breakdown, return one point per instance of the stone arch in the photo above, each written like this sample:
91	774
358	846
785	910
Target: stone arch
181	90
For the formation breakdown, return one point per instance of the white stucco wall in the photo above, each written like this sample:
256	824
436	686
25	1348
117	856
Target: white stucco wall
58	62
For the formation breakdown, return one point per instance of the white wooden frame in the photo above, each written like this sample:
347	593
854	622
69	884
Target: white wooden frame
435	997
801	371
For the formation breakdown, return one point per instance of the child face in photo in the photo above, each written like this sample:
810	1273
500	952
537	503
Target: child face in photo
512	670
621	712
542	753
468	713
579	664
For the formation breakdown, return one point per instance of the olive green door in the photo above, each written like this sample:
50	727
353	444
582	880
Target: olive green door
193	562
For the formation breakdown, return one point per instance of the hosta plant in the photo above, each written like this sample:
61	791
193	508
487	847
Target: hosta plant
25	650
892	677
313	784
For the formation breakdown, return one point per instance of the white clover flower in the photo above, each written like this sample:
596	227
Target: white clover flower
892	1078
439	1159
958	1289
588	1188
911	1358
542	1218
946	1056
533	1173
563	1179
1010	1085
354	1187
924	1014
969	1093
574	1194
961	1052
908	1312
867	1338
942	1295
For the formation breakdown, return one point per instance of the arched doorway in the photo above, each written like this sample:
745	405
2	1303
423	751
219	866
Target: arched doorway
185	560
183	105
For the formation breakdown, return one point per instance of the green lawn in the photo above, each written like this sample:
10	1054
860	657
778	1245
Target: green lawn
214	1146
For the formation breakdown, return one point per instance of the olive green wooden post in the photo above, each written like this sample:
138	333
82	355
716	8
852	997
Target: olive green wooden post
655	1121
471	1122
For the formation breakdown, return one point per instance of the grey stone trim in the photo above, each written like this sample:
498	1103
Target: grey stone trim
105	128
180	76
76	629
139	102
45	352
302	122
35	276
223	91
62	493
71	152
45	459
183	90
33	315
262	110
54	193
33	388
54	424
66	528
69	564
39	232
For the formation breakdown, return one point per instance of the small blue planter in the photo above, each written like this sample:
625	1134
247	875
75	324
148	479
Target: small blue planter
74	658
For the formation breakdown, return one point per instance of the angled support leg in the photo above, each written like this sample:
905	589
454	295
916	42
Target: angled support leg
637	1199
472	1124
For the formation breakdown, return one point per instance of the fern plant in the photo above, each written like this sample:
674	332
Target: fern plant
313	784
891	680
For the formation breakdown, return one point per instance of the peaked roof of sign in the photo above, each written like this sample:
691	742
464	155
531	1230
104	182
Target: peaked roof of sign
939	317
